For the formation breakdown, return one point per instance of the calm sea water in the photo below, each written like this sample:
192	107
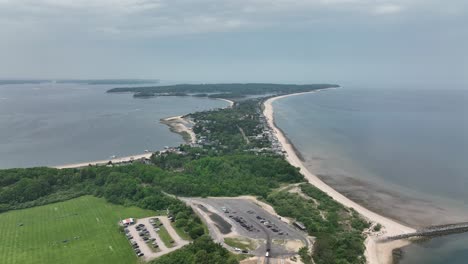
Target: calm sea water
54	124
407	140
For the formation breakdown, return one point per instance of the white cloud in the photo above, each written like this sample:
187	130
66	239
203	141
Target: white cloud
169	17
387	9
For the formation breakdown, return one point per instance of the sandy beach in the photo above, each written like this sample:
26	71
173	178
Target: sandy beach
231	103
182	126
376	252
102	162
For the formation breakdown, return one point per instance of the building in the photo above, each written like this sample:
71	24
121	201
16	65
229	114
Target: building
299	225
128	221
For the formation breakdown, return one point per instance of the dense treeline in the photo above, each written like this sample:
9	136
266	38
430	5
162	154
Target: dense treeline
229	88
229	175
227	95
21	188
142	185
222	129
338	229
234	175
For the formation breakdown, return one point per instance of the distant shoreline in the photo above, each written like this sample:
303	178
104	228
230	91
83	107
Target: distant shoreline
375	252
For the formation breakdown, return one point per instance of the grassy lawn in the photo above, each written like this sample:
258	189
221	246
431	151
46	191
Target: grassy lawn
180	231
242	243
81	230
165	237
153	248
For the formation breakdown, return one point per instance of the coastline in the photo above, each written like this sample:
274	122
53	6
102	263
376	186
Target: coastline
376	252
180	125
183	126
103	162
231	103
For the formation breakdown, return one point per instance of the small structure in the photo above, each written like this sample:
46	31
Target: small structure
128	221
299	225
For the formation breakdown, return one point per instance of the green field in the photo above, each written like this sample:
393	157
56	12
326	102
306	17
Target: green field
81	230
180	231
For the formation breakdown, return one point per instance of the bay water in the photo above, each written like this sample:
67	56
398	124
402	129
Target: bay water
56	123
402	152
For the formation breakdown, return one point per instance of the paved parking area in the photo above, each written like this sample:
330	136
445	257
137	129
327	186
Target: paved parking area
249	220
144	246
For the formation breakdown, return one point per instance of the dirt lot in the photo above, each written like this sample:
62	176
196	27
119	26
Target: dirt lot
227	217
150	254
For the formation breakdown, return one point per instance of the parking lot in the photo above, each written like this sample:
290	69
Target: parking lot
242	217
144	238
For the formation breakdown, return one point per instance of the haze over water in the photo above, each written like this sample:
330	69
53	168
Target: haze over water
55	124
401	152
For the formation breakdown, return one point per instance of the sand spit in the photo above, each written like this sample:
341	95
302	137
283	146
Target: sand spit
181	125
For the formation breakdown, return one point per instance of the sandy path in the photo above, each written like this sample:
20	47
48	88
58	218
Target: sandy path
375	252
103	162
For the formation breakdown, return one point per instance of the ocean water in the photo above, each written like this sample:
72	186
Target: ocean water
400	151
54	124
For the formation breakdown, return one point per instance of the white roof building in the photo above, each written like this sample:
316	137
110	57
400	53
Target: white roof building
128	221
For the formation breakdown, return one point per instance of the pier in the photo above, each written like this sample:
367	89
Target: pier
432	231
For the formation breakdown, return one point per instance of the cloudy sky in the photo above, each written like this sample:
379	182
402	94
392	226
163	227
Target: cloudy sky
340	41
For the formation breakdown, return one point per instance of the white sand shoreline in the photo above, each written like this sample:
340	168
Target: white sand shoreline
179	124
231	103
376	252
103	162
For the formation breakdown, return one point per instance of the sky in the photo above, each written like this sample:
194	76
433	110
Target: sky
288	41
